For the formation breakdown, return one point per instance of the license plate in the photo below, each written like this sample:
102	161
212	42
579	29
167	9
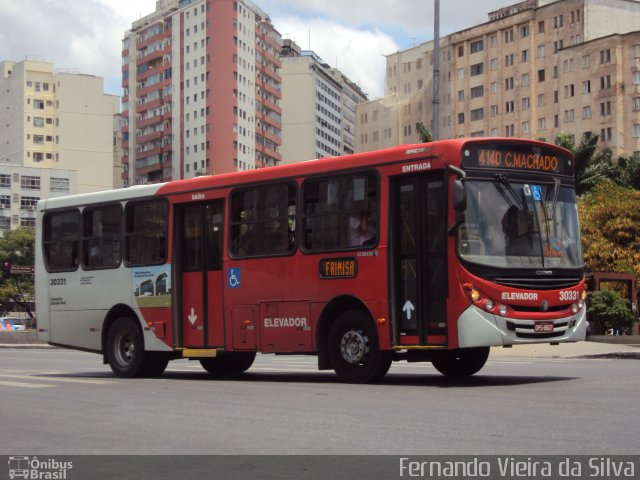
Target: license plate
543	327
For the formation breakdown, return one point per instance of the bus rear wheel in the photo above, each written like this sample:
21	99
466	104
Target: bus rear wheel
228	363
354	350
462	362
126	355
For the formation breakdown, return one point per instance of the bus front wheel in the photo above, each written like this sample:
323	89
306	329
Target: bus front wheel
229	363
354	350
126	355
462	362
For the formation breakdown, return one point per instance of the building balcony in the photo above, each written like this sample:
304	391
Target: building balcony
148	41
150	121
269	88
149	137
150	56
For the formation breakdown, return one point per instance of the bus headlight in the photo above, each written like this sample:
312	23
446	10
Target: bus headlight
489	305
503	310
475	295
574	308
580	304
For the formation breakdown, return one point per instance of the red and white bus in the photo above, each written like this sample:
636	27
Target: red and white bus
429	252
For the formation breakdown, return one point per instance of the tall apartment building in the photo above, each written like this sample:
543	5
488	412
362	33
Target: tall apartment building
201	91
318	107
535	69
56	137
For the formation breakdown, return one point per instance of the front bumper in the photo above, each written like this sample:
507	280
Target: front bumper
477	328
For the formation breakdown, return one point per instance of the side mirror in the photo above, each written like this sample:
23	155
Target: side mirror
459	196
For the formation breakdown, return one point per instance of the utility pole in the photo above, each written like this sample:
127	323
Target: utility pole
436	70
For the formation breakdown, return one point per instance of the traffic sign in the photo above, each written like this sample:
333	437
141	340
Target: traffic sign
21	270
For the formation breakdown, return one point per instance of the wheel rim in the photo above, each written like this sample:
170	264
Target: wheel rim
125	348
354	347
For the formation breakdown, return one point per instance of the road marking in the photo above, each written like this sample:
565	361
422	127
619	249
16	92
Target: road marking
89	381
24	385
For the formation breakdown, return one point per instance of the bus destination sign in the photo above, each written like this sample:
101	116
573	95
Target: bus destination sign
515	157
346	267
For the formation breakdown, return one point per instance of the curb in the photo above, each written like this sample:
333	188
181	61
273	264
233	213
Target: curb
613	355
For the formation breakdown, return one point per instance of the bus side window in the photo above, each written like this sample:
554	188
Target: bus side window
102	233
341	212
60	240
263	221
146	232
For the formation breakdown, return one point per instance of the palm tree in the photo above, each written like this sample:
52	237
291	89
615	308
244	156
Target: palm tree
425	135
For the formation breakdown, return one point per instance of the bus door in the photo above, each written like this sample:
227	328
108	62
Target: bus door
198	263
419	266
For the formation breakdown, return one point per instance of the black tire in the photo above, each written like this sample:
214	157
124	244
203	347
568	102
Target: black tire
154	364
125	348
462	362
354	349
228	363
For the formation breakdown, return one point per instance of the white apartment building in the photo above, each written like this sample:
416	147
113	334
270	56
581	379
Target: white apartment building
318	107
535	69
57	120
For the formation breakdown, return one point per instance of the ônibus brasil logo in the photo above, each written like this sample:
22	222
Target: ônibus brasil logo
30	468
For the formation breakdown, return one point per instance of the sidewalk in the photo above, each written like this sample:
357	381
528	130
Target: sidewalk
596	347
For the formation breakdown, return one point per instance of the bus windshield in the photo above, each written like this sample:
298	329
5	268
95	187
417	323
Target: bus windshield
510	224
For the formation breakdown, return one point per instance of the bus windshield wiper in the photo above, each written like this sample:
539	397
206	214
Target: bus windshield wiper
516	200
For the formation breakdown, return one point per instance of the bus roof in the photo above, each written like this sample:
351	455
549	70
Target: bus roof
449	149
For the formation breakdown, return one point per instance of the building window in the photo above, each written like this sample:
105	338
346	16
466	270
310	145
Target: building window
28	203
460	118
586	86
38	121
636	130
5	201
30	183
586	112
605	82
5	223
636	108
541	26
605	56
541	51
477	114
59	184
477	46
5	181
477	92
542	123
541	75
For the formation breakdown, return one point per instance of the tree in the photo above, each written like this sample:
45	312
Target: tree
591	168
610	311
610	223
626	172
425	135
17	248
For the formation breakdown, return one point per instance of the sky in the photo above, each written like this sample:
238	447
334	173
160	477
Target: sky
85	36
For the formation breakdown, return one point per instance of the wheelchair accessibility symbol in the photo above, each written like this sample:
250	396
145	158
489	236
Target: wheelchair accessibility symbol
233	277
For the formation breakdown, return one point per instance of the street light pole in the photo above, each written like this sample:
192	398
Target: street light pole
436	70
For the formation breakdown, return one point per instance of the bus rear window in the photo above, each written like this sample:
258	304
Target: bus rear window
341	212
146	233
60	240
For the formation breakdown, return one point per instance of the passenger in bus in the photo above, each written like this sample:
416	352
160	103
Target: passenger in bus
361	230
518	233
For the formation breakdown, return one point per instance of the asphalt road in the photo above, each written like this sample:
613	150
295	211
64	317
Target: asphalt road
59	402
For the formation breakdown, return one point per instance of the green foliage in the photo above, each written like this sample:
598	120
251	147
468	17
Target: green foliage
17	248
610	310
425	135
610	224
